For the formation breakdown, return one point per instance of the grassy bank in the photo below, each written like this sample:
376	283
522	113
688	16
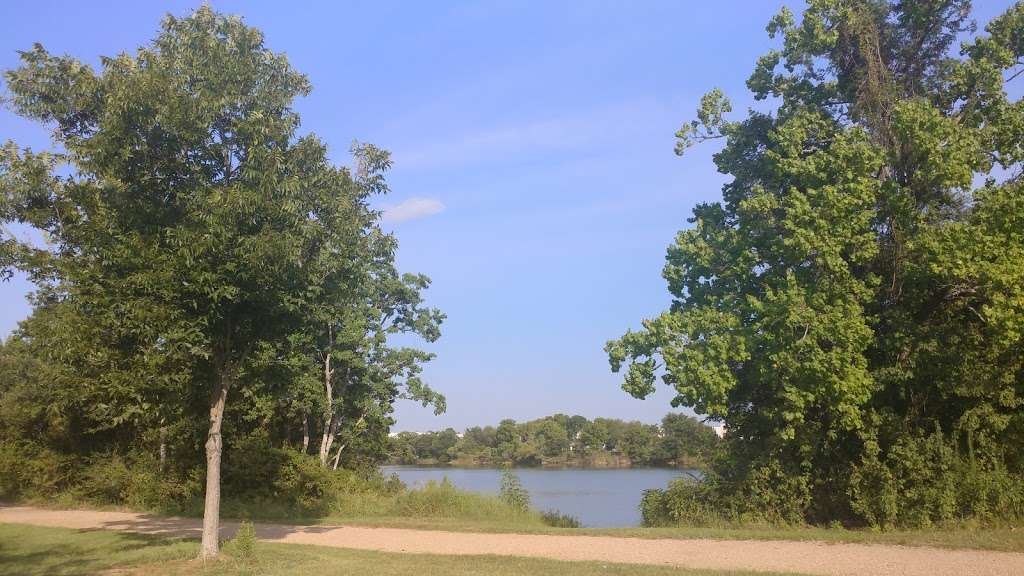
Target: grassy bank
435	501
34	551
1001	539
443	507
440	507
436	504
290	488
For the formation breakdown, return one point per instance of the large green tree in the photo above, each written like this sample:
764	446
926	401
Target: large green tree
858	290
194	238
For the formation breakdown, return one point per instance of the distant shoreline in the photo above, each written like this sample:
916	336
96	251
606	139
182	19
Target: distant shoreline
492	466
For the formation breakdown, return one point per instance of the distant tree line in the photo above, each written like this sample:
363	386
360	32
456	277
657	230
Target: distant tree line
562	440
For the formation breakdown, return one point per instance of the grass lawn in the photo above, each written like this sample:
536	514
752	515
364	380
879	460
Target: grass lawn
1007	539
1003	539
34	551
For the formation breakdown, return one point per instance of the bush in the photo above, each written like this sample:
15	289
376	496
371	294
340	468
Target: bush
244	542
302	483
135	480
767	496
513	493
277	482
772	495
28	470
873	491
924	481
916	482
990	493
251	467
654	510
684	501
559	520
107	479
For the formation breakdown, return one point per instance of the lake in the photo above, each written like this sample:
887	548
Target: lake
597	498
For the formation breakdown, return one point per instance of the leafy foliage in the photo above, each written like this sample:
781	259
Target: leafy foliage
244	542
556	519
852	307
198	247
512	492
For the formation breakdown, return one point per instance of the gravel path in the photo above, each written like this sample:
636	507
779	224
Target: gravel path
781	556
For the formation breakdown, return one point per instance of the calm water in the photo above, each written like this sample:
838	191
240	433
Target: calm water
598	498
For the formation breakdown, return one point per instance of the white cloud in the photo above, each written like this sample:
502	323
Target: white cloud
412	209
600	128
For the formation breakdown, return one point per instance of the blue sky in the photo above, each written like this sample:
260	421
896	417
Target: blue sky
534	178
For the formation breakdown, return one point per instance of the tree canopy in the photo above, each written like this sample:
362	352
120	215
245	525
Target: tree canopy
852	307
197	247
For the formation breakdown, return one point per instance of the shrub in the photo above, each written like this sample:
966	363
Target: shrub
873	491
766	496
251	467
277	481
684	501
244	542
990	493
772	495
28	470
512	491
301	482
924	481
135	480
106	479
559	520
654	510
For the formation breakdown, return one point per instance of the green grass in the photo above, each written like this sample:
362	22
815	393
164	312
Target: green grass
441	507
35	551
1004	539
434	504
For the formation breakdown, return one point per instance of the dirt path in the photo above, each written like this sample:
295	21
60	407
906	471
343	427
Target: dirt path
781	556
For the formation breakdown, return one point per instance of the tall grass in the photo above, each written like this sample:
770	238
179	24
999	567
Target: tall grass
364	500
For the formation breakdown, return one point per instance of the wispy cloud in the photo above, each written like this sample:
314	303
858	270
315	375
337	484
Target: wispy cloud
594	129
412	209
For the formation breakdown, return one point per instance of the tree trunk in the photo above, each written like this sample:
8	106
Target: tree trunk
163	448
330	430
214	447
287	432
330	418
305	432
337	456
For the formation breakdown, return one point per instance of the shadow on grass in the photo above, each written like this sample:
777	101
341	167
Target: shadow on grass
34	551
154	526
165	526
